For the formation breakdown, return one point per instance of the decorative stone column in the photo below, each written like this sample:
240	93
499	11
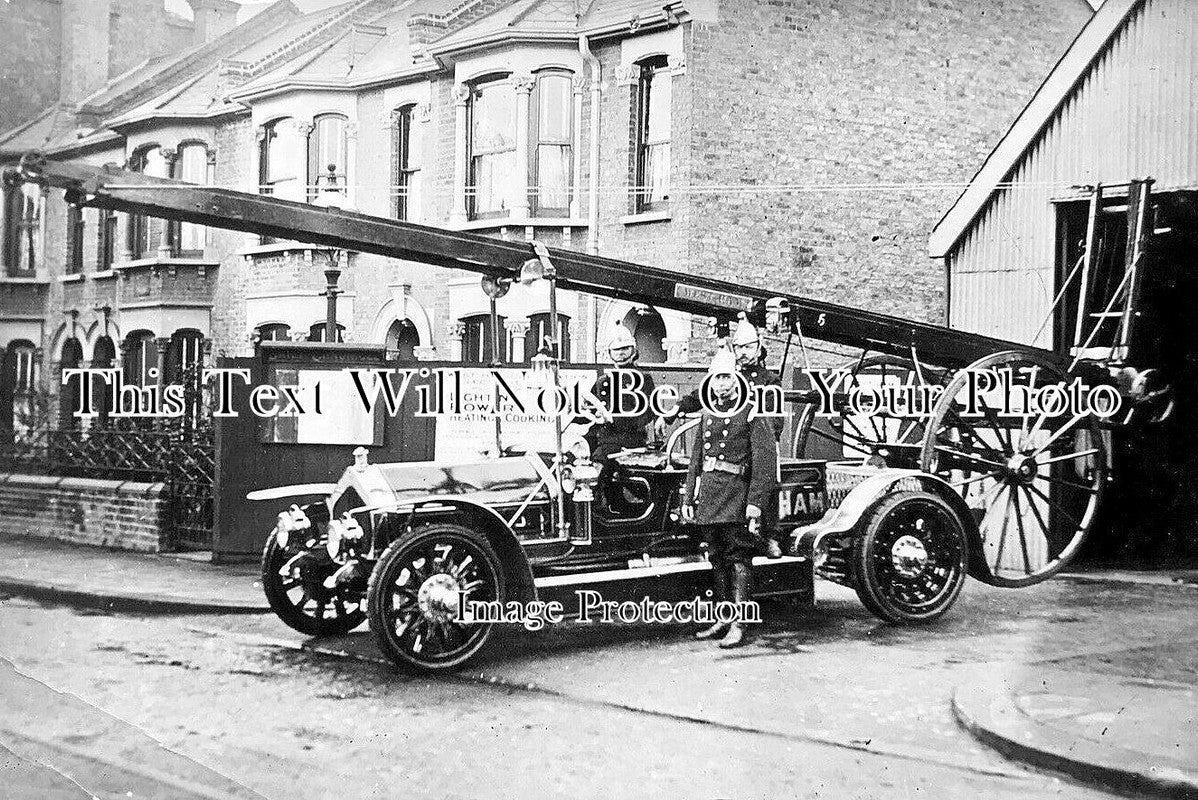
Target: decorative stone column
163	344
524	86
166	227
456	332
580	87
425	353
457	213
351	164
517	335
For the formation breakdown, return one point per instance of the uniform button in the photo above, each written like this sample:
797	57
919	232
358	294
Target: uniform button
720	457
707	446
722	444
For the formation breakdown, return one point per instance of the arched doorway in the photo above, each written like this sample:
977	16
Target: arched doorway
68	398
402	340
649	331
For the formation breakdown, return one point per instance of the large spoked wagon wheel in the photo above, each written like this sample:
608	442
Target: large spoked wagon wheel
294	583
892	438
414	596
911	559
1033	480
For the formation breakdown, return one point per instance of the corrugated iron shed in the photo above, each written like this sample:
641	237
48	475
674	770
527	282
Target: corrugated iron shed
1119	105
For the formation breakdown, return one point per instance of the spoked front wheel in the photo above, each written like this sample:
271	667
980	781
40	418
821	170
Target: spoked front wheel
910	560
294	583
415	593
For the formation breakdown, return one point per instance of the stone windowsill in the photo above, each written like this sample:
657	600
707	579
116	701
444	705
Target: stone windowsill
644	217
297	294
280	247
104	273
165	262
508	222
75	278
28	280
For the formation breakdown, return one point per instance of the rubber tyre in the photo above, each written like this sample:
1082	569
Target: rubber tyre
389	568
273	558
871	583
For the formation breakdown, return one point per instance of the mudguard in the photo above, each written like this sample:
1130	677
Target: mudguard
809	540
294	490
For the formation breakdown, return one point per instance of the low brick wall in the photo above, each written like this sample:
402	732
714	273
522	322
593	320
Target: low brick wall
126	515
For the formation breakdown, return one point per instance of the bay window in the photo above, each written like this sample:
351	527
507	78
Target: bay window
328	146
106	247
278	160
492	185
406	160
75	228
553	152
191	167
148	161
22	229
651	157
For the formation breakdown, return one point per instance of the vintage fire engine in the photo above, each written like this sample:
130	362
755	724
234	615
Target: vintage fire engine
921	497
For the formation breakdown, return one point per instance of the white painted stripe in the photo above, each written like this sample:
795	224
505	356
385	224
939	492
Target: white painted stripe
634	573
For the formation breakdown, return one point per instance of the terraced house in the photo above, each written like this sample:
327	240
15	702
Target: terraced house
759	140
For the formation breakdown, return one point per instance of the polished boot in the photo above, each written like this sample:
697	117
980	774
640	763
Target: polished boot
740	593
719	576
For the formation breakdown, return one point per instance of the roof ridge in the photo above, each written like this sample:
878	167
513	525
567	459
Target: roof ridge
312	36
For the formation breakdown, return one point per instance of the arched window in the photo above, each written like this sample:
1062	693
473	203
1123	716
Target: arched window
18	389
191	167
103	357
278	159
651	152
539	329
148	161
491	148
407	164
316	332
649	331
184	354
274	332
68	399
552	161
328	146
403	339
22	229
478	344
141	359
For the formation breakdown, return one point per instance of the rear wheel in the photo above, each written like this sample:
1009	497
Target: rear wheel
294	583
910	560
415	591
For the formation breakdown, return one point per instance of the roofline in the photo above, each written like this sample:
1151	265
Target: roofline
1035	117
29	123
291	83
645	22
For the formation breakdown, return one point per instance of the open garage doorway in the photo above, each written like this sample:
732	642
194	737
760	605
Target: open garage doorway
1149	515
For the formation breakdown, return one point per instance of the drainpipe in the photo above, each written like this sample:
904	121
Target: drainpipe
584	50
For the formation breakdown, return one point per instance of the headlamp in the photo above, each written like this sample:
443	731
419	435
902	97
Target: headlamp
293	520
343	535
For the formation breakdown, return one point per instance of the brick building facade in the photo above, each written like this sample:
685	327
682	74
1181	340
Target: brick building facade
803	144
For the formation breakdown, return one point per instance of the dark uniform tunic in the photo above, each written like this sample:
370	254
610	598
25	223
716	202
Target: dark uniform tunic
608	438
757	375
734	464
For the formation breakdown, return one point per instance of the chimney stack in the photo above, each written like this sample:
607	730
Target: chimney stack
213	18
85	40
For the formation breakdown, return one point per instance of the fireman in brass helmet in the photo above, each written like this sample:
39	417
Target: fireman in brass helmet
733	478
612	433
750	362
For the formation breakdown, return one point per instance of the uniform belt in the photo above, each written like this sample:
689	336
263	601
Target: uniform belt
716	465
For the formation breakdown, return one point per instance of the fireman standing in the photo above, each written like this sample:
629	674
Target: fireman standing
731	480
750	363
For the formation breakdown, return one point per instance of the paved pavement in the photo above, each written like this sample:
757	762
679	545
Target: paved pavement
1124	719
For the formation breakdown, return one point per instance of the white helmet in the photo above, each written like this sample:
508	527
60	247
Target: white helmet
722	363
622	340
746	333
